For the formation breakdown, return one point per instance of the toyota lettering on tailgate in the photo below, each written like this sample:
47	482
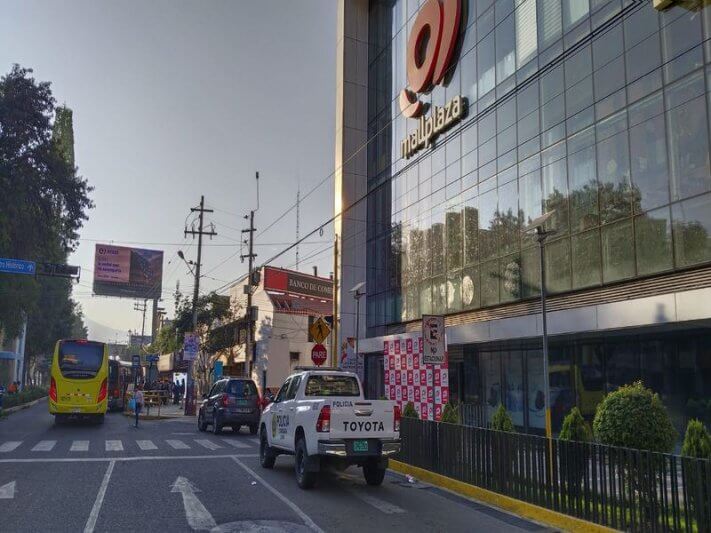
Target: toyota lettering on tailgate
363	426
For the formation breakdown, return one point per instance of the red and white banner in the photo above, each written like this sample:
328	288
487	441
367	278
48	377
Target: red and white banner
407	379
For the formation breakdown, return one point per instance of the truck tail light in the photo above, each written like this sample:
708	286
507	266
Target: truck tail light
102	392
397	416
53	390
225	400
323	424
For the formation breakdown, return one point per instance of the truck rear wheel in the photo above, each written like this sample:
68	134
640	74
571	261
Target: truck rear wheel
267	457
304	478
373	473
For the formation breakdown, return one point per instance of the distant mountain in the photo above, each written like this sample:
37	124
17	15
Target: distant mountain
100	332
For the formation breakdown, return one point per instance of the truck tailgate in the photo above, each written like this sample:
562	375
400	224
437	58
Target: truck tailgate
362	419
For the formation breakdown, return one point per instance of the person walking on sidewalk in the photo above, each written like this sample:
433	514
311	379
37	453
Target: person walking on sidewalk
138	398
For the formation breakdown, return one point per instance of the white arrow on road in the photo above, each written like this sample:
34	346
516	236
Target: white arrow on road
199	518
7	491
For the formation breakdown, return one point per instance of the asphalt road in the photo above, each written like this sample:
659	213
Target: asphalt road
167	476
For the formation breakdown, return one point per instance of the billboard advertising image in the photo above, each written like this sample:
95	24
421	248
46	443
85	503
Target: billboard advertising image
128	272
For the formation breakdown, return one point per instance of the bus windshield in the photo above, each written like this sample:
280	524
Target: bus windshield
80	359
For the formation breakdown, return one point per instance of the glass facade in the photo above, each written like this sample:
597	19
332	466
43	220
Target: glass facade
594	109
677	366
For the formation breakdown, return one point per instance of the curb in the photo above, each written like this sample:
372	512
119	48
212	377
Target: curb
152	417
518	507
20	407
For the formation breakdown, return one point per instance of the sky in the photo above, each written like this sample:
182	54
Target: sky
174	99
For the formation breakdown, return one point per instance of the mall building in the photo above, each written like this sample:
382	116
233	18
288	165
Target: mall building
596	111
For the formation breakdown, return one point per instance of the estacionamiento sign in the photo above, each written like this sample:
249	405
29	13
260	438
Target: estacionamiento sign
430	53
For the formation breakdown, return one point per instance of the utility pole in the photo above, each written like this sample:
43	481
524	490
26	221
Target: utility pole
142	308
335	342
298	221
190	388
249	344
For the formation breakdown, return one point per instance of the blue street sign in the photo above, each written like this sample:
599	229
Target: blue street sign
152	358
17	266
136	361
217	374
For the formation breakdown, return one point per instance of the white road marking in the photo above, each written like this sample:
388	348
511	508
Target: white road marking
199	518
208	444
7	491
6	447
146	445
236	443
44	446
137	458
380	505
310	523
79	446
91	522
177	444
255	440
114	446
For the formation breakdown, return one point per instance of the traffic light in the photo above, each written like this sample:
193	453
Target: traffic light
58	270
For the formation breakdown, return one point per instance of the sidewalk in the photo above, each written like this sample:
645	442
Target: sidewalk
160	413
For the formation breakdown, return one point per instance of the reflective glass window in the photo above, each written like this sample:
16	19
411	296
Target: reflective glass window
558	265
507	220
526	31
550	22
574	11
486	64
586	259
653	235
680	44
583	182
488	209
614	176
489	283
692	226
505	49
617	251
471	230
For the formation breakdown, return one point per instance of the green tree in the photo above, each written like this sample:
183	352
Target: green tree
574	427
44	202
634	417
697	442
501	421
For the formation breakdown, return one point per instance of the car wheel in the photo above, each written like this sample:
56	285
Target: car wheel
304	479
236	428
202	426
267	457
216	426
253	429
373	474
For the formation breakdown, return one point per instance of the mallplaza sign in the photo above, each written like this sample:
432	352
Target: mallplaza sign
430	51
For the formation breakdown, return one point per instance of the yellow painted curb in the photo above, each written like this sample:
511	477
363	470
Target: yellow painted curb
518	507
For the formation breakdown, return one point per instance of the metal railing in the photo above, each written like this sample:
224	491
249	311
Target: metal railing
621	488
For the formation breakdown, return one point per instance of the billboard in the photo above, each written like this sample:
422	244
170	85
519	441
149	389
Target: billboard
128	272
278	279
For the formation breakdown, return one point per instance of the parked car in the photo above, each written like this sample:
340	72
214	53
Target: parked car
231	402
321	417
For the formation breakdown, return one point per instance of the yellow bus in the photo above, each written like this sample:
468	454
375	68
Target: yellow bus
79	383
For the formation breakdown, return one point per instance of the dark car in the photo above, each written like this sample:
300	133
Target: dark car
232	402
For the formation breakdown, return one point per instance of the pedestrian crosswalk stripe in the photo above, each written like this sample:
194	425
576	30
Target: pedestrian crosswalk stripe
177	444
44	446
208	444
79	446
255	440
146	445
114	446
236	443
9	446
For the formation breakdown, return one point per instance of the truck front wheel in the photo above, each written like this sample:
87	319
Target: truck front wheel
267	457
304	478
373	473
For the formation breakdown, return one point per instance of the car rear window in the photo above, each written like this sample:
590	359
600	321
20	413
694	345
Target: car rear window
243	389
325	385
80	359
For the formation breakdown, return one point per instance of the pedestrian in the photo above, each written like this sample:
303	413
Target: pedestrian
176	393
12	388
138	399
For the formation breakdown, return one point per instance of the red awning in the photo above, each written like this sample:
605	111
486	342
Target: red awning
290	303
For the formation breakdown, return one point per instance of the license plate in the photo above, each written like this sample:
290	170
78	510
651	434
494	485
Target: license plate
360	445
243	410
75	410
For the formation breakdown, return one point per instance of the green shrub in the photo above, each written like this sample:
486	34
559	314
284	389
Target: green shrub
634	417
501	421
697	441
28	394
574	427
409	411
450	414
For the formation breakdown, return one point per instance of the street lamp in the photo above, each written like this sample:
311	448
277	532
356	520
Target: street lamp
357	293
537	227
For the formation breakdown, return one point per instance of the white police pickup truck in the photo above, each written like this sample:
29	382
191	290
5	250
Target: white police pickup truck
321	417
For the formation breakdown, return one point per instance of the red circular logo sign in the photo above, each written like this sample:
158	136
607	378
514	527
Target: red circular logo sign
319	354
430	50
